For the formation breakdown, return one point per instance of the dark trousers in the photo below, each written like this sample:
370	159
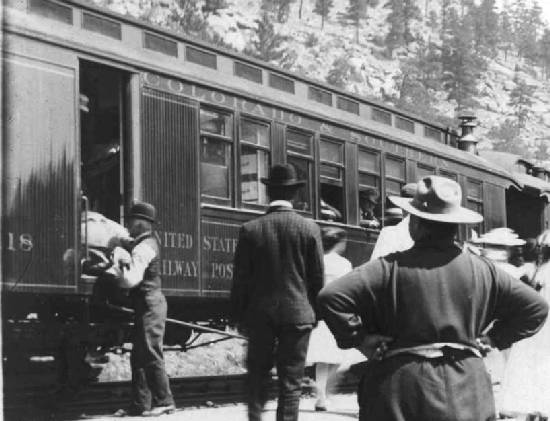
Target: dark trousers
410	388
286	347
150	387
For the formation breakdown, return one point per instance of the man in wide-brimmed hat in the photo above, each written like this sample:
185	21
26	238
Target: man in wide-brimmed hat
278	272
140	272
419	315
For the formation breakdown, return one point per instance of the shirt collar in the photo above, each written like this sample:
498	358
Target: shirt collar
280	204
440	244
143	235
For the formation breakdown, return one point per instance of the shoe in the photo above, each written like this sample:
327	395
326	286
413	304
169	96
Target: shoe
159	410
131	412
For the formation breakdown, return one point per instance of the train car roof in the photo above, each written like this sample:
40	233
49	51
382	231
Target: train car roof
513	163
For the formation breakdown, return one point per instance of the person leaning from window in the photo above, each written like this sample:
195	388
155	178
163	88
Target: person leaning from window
419	316
278	272
395	234
368	200
140	271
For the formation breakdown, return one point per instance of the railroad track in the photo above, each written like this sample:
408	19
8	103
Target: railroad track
39	403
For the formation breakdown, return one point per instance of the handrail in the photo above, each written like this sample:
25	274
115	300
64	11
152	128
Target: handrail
86	210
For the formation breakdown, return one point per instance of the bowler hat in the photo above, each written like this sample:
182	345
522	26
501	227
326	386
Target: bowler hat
438	199
143	210
282	175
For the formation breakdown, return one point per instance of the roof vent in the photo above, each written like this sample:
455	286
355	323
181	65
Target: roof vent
467	142
539	171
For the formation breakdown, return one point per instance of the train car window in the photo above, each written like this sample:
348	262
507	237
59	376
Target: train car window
318	95
432	133
381	116
52	10
424	171
101	25
474	199
281	83
245	71
369	188
448	174
299	146
404	124
194	55
160	44
216	152
331	171
347	105
255	161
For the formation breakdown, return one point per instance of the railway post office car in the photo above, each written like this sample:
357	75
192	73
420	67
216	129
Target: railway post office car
101	109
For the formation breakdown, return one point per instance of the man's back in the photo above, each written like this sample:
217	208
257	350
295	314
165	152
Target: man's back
437	293
279	264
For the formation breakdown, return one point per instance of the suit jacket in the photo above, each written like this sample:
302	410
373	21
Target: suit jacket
278	268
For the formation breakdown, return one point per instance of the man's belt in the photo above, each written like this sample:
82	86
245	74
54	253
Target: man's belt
433	350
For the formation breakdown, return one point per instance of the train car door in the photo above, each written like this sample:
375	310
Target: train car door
103	140
39	167
169	180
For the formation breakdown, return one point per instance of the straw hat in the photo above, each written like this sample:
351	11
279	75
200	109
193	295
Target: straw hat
505	237
438	199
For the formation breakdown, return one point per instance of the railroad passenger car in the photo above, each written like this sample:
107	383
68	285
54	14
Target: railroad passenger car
101	109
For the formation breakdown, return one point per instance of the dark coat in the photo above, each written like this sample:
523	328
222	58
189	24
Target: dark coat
278	268
433	292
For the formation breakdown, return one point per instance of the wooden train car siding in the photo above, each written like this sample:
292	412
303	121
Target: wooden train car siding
169	141
38	179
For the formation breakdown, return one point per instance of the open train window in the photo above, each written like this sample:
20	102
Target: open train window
299	147
474	200
424	171
102	124
331	171
255	160
216	155
369	188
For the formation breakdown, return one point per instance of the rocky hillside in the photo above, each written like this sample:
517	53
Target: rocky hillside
412	69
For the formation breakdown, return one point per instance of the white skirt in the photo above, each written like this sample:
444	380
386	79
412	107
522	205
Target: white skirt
323	349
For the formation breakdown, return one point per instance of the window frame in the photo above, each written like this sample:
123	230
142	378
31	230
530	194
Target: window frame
402	181
309	158
269	149
342	169
477	200
229	140
378	176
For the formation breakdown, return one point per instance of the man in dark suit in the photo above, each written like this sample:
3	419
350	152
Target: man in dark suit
277	275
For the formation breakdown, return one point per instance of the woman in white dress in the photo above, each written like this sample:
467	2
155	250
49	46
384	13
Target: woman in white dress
323	351
526	383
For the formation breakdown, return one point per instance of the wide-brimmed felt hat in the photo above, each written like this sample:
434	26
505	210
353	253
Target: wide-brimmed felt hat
505	237
282	175
143	210
408	190
438	199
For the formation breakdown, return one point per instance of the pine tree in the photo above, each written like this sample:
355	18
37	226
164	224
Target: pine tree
520	101
267	44
188	18
527	24
213	6
400	19
505	31
339	73
411	12
485	22
544	52
278	8
461	65
395	37
322	8
354	13
506	137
